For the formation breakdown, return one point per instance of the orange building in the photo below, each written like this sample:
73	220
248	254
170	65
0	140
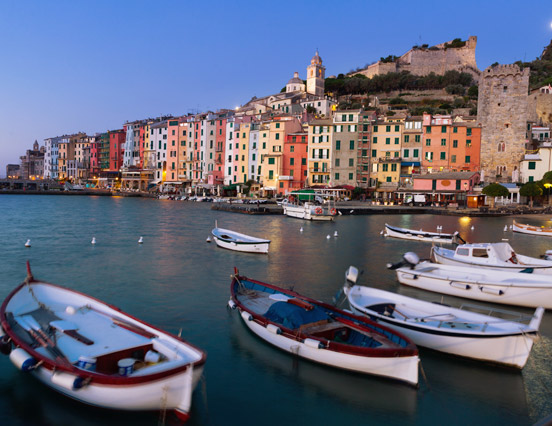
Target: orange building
294	162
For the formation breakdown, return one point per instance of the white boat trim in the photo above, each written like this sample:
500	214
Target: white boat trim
236	241
532	230
420	235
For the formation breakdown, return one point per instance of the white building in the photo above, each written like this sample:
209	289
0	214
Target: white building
51	152
534	166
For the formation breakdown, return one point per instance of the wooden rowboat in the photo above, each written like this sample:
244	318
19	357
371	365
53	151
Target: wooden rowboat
95	353
236	241
464	331
419	235
530	229
322	333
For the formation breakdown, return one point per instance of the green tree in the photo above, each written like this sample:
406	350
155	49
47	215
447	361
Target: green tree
530	189
495	190
547	183
473	92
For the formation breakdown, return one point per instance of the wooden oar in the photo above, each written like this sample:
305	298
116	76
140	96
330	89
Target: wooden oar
36	327
54	350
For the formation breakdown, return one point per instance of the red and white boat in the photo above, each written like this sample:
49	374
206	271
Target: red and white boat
323	333
531	229
95	353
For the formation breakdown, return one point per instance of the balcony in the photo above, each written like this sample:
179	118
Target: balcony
317	170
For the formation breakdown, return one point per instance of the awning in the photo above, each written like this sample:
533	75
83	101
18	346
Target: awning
410	163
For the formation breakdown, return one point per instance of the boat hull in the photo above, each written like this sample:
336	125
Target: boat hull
243	247
171	393
532	230
403	369
419	236
307	213
486	291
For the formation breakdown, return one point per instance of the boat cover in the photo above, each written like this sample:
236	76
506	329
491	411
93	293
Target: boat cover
293	316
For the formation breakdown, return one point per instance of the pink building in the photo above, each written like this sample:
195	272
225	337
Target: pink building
116	149
446	186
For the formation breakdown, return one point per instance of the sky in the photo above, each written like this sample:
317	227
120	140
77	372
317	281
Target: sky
71	66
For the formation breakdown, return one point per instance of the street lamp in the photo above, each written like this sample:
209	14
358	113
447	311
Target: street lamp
547	186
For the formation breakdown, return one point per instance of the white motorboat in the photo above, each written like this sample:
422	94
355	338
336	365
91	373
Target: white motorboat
488	285
499	256
420	235
232	240
530	229
322	333
95	353
457	331
310	211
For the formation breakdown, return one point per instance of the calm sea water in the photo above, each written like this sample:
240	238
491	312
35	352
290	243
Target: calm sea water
178	282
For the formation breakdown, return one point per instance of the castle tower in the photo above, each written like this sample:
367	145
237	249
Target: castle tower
502	114
316	73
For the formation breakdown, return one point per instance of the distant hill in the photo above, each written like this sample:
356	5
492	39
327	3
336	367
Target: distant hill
541	68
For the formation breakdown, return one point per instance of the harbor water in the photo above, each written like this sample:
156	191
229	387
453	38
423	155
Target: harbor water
179	283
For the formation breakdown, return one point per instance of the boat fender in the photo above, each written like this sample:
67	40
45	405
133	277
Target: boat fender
274	329
246	316
460	285
5	344
490	290
68	381
22	360
231	304
313	343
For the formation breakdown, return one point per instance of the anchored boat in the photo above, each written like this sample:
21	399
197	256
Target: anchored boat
232	240
322	333
488	285
95	353
419	235
463	331
530	229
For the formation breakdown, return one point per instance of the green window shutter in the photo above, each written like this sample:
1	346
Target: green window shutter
443	155
443	129
292	161
532	165
455	130
417	138
396	141
351	144
428	129
443	142
374	153
387	141
428	142
468	159
453	159
406	138
375	129
343	117
336	176
406	153
531	178
271	174
387	128
394	167
350	176
375	140
351	162
337	145
388	179
468	131
415	154
455	144
337	162
397	128
350	117
271	160
303	161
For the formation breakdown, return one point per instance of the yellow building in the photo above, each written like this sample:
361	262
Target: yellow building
321	133
386	152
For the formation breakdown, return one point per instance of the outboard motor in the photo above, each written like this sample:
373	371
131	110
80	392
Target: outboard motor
5	342
410	258
351	277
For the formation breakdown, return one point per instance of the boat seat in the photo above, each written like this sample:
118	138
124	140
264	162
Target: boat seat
318	327
383	308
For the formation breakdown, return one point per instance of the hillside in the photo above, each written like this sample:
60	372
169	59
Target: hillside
541	68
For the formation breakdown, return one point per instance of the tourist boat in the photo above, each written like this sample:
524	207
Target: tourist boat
310	211
239	242
488	285
95	353
457	331
419	235
499	256
530	229
322	333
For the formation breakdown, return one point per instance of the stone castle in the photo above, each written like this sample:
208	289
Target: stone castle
502	112
424	60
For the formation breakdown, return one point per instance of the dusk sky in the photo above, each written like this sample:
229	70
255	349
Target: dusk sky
70	66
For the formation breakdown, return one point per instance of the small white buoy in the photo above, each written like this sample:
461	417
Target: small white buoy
335	234
381	233
328	236
505	228
511	227
28	243
93	240
351	211
472	228
141	240
301	230
208	239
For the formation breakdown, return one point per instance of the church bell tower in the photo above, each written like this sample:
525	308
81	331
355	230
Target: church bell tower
316	73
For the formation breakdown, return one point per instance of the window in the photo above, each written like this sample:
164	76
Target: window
406	138
428	142
394	167
387	128
292	161
374	153
443	129
375	129
350	117
396	141
415	153
417	138
337	162
384	167
351	144
388	179
453	159
406	153
387	141
468	159
271	174
350	176
468	131
343	117
429	156
443	156
351	162
443	142
468	143
375	140
277	136
336	176
455	130
428	129
337	145
531	178
455	143
271	160
303	161
291	148
532	165
277	125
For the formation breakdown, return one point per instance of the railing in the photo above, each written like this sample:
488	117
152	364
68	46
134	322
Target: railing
313	170
389	159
